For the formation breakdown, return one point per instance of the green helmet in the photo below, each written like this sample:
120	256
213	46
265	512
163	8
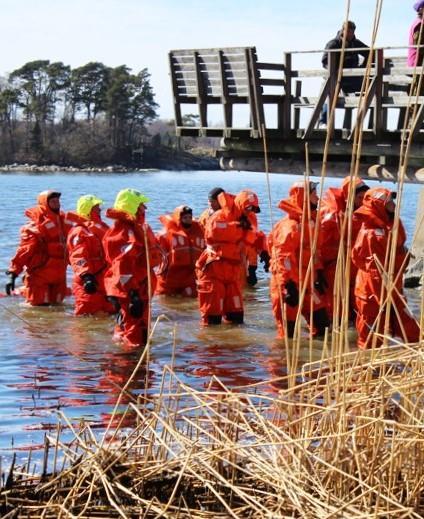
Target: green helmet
128	201
86	203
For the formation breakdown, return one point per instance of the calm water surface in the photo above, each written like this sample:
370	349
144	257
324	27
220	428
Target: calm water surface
50	360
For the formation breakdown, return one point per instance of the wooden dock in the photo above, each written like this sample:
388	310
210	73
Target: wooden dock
234	78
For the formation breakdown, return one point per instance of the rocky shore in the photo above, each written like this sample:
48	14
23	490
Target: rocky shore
154	160
53	168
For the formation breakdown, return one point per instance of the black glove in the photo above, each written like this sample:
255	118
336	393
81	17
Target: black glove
244	222
136	304
320	284
292	294
89	283
265	259
114	301
10	285
251	276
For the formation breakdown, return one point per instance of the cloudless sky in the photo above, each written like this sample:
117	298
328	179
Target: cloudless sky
139	33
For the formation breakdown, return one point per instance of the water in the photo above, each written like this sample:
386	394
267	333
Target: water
52	362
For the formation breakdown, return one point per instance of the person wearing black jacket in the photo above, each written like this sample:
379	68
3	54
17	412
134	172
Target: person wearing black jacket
351	59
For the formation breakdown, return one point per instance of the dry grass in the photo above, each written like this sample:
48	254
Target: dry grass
345	440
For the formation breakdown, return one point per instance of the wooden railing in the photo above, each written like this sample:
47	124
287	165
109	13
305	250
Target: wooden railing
234	76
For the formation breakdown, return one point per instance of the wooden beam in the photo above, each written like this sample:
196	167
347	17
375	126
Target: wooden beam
201	94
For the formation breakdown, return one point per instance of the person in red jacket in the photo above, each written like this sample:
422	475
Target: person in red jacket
87	258
218	269
183	241
332	220
132	252
42	253
290	248
371	254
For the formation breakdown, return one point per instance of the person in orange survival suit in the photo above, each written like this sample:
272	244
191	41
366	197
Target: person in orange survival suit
132	252
288	251
87	258
42	253
369	255
218	268
182	240
333	210
213	205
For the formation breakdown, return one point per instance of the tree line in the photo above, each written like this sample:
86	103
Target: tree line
89	115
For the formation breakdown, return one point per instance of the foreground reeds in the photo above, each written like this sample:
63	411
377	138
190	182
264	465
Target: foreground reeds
345	440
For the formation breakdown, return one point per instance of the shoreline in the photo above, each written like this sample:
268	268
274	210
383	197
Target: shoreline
33	168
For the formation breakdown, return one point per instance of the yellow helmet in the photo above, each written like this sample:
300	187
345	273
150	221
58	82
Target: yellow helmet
86	203
128	201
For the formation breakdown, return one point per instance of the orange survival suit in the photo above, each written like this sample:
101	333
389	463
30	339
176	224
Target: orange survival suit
87	259
126	277
333	210
290	258
218	268
182	246
369	255
42	253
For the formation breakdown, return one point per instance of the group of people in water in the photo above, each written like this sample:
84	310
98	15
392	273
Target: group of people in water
344	248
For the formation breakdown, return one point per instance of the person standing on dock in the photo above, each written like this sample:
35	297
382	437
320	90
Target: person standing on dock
219	267
416	37
351	59
371	256
132	252
334	226
291	246
183	241
42	253
86	256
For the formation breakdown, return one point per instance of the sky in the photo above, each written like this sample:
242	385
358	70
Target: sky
140	33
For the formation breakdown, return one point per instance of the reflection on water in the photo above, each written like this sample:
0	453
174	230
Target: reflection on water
52	361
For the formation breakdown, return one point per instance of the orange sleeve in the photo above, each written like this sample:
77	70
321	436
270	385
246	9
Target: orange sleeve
30	251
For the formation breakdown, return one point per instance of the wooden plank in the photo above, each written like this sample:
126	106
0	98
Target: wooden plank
177	107
298	93
366	102
201	92
316	113
212	52
257	90
227	107
191	74
286	115
232	82
419	118
213	67
378	109
270	66
209	60
272	82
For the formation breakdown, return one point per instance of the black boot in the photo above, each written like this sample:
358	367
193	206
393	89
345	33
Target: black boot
290	329
235	317
321	322
251	276
214	319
